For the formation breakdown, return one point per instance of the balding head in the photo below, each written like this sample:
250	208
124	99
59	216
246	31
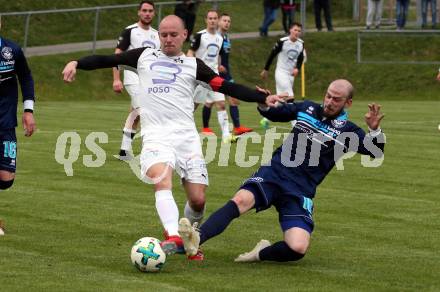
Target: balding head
172	20
343	86
338	96
172	34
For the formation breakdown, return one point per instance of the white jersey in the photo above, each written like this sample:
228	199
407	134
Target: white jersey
167	87
290	55
207	47
133	37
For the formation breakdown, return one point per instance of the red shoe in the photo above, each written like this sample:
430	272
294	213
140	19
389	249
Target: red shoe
207	131
197	257
172	244
241	130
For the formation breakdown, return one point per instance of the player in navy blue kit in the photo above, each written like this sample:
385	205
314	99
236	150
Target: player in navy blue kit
289	183
12	65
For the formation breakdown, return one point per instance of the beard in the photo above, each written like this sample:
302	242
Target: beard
331	116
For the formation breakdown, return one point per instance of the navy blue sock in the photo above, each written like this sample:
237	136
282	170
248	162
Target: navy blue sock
279	252
218	221
235	115
206	115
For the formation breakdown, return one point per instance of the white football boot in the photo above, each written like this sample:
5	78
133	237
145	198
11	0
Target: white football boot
190	236
253	255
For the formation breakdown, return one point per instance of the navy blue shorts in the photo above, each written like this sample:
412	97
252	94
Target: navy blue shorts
8	150
293	210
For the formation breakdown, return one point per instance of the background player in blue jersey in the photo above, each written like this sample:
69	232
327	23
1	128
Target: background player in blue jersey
224	25
12	65
296	169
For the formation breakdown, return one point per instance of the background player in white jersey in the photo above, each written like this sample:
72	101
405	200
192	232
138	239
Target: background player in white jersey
137	35
206	46
290	51
170	138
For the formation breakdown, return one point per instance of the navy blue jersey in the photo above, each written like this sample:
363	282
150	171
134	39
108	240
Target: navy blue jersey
224	54
12	65
313	147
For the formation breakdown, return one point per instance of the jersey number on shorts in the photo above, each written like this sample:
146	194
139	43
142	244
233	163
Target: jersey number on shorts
10	149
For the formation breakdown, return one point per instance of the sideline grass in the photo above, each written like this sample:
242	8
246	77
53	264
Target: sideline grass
377	228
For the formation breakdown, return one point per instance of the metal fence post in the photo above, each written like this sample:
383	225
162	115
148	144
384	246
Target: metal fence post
95	31
26	32
356	10
419	12
159	14
358	47
303	15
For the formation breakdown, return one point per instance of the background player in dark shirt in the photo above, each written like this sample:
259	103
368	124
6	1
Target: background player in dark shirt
316	144
224	24
187	11
12	65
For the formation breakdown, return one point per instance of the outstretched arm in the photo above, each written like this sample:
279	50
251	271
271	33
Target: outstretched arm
282	112
219	84
128	58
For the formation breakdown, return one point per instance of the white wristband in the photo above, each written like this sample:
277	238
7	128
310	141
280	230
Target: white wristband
374	133
28	104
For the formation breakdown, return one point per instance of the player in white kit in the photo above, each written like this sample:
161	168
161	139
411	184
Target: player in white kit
137	35
207	46
168	79
290	51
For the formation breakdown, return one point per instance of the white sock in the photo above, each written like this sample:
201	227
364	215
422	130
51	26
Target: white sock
194	216
168	212
223	120
127	138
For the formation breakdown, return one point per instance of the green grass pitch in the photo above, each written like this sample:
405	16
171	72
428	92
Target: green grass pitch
376	228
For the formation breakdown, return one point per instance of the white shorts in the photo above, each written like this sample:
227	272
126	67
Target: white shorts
133	91
284	82
181	150
204	95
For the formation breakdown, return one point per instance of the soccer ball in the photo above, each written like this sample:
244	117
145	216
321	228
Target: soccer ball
264	123
147	255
